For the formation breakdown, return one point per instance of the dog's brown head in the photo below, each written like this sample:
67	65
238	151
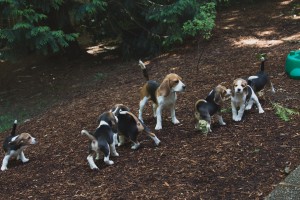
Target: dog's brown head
171	83
110	119
24	139
239	86
221	94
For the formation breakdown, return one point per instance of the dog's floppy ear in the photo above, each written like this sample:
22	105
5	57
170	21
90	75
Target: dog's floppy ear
218	98
165	88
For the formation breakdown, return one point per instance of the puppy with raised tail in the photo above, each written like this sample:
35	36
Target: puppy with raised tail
162	95
242	98
129	127
212	104
102	139
14	146
261	79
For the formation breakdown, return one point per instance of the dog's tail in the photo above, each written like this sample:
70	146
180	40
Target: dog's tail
262	64
144	70
13	131
90	136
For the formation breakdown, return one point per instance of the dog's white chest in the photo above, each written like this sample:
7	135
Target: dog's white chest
168	100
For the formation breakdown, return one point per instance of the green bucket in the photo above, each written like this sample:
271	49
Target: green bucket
292	64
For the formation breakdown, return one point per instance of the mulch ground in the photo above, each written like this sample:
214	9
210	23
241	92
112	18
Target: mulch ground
242	160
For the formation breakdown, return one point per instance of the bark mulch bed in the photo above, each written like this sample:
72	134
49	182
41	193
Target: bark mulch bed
242	160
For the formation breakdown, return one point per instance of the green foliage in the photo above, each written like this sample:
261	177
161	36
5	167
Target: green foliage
25	29
141	27
284	113
178	20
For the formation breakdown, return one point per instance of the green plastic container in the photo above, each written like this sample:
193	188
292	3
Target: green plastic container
292	64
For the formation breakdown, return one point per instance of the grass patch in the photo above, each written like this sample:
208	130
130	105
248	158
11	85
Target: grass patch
283	112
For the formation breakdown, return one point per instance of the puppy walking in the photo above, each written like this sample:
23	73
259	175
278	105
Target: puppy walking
211	105
162	96
242	99
14	146
261	79
102	140
129	127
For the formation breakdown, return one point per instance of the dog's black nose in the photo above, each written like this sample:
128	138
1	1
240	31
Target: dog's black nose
184	87
238	89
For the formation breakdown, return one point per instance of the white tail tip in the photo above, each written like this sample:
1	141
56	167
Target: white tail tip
84	132
16	121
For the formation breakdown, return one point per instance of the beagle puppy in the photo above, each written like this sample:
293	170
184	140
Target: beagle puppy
14	146
261	79
162	96
212	104
242	98
129	126
102	139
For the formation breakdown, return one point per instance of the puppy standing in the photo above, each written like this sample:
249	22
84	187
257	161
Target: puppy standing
102	139
129	127
242	98
261	79
162	95
14	145
205	109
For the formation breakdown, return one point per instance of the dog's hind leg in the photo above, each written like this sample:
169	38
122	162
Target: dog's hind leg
142	105
106	151
5	162
271	86
260	109
91	161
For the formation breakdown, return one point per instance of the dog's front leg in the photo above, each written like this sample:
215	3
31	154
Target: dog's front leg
142	105
240	113
173	116
234	111
113	149
158	118
220	119
5	162
23	158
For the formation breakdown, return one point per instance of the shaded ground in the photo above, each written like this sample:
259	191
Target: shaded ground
242	160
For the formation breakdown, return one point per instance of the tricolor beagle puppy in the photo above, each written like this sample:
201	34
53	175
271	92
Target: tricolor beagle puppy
14	145
102	139
162	95
261	79
129	126
206	108
242	98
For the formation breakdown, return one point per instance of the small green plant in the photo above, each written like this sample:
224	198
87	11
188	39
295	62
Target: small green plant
284	113
99	76
225	110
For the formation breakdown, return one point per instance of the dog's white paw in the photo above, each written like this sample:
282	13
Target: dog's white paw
175	121
157	143
24	160
158	127
248	107
222	123
237	118
94	168
135	146
109	162
3	168
261	111
115	154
